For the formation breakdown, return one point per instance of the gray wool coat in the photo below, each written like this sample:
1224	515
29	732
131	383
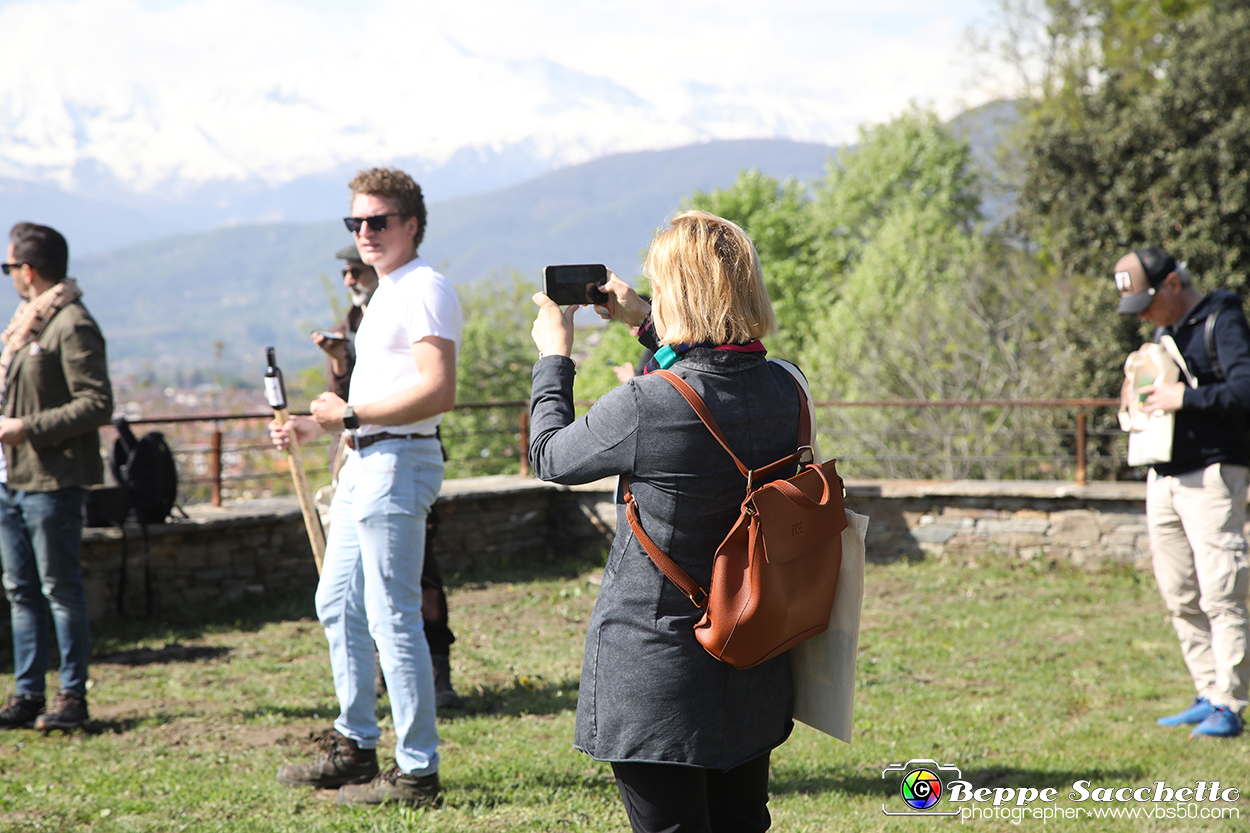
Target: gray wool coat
649	691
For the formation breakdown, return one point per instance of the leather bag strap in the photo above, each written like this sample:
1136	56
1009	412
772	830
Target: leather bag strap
795	494
696	402
668	567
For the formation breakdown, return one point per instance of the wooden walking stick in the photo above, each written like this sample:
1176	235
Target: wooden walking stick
275	392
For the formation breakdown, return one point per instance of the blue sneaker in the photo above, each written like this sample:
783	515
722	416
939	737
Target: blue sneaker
1198	712
1220	723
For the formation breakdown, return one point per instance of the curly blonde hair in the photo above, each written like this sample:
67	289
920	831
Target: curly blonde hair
393	184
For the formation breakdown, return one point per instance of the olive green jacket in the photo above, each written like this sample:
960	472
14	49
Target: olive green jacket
59	388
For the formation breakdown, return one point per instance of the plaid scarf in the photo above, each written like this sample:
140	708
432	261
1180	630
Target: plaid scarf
28	322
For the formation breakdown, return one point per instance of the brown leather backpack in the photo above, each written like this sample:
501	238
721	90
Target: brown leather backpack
774	575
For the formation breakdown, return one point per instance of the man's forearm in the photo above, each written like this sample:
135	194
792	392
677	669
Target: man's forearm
407	406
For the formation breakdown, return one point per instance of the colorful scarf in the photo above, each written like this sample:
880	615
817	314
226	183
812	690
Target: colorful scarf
28	322
668	354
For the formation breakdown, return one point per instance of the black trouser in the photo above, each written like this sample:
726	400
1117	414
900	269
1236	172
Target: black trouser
668	798
433	598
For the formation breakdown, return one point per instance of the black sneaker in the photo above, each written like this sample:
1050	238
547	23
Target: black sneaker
445	696
341	762
396	786
21	710
68	712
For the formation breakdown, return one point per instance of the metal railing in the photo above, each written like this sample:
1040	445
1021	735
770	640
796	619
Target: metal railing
1074	439
216	465
219	453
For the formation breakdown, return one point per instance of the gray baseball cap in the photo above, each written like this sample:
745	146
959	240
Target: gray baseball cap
349	253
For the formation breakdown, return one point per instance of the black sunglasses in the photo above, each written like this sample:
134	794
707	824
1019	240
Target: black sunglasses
9	267
356	272
377	222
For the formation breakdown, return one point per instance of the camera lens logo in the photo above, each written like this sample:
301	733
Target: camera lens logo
920	783
921	789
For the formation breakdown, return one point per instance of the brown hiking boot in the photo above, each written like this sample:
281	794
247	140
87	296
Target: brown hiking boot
21	710
395	786
445	697
341	762
68	712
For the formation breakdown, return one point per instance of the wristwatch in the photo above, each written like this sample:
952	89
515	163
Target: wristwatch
350	420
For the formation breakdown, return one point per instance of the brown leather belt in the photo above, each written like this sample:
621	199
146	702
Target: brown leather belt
361	443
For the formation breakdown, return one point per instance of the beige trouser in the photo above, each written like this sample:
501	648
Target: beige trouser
1196	522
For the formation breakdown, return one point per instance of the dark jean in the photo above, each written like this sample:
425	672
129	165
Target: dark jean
40	542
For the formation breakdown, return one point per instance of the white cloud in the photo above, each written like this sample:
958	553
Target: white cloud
168	92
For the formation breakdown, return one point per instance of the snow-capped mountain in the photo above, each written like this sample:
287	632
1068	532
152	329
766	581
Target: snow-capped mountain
234	109
127	120
149	112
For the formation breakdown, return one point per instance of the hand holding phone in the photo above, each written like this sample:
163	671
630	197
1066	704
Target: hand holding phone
335	346
575	284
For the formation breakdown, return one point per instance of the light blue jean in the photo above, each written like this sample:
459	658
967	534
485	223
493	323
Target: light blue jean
370	593
40	543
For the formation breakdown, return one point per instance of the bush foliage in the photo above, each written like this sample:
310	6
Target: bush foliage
1152	154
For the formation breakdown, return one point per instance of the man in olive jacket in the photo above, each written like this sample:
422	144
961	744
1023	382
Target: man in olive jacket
55	390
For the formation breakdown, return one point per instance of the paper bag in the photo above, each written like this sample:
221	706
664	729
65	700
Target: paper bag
823	667
1149	434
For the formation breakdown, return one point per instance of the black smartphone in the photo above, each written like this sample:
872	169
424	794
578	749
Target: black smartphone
329	335
575	284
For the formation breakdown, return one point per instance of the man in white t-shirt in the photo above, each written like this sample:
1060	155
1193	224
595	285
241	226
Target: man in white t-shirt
403	382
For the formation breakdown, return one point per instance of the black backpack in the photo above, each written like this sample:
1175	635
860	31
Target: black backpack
145	468
146	490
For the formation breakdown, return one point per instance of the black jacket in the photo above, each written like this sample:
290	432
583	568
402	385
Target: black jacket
1211	425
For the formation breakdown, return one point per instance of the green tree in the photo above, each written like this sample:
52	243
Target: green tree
1133	162
895	225
886	287
1060	50
777	216
494	364
894	218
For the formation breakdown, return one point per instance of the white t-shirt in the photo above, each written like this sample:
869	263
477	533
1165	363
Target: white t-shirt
410	303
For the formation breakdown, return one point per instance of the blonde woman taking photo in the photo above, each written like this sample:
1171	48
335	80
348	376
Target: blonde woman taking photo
688	736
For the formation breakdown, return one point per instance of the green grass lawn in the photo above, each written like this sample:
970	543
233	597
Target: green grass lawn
1022	676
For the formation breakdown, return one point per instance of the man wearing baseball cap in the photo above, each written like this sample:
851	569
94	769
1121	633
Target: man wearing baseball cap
1196	503
361	281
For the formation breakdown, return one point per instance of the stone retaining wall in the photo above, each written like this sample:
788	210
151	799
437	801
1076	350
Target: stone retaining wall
1085	525
255	548
217	557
